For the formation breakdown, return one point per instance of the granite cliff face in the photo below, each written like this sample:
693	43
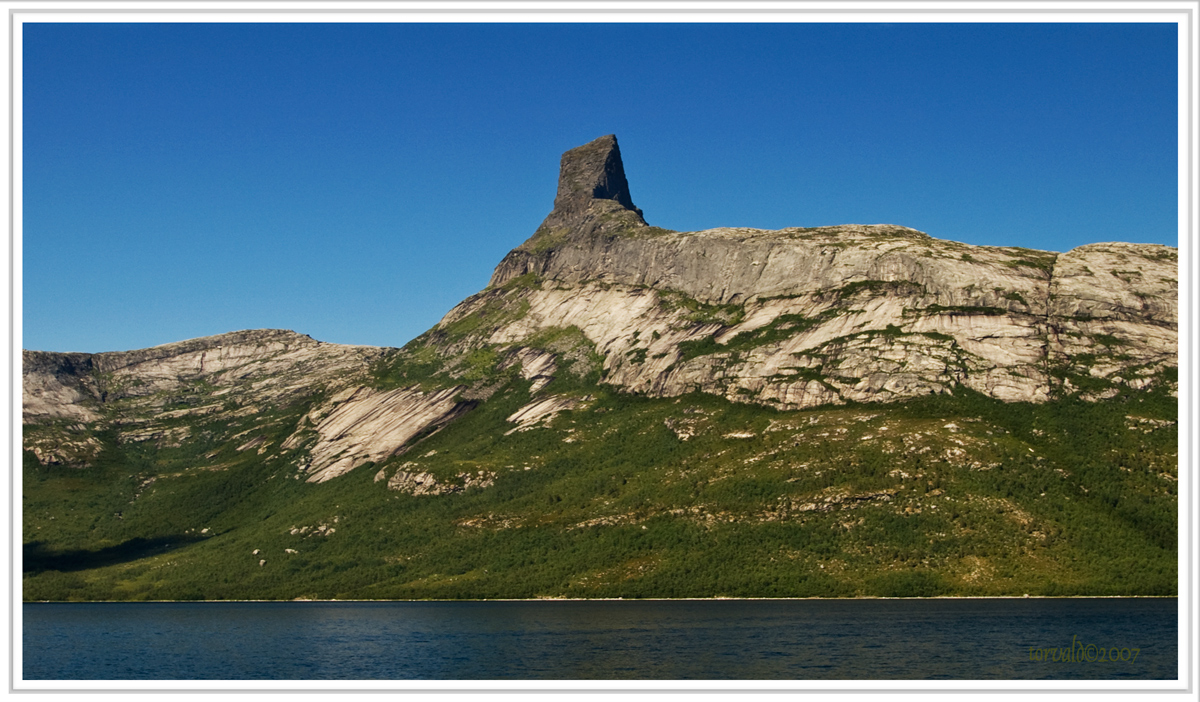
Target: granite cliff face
808	316
209	388
158	394
790	319
628	411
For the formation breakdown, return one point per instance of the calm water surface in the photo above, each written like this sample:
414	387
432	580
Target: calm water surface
732	639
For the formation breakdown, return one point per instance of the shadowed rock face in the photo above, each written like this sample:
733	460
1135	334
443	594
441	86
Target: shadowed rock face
593	198
590	172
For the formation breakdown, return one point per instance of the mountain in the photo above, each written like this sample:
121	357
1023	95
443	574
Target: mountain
631	411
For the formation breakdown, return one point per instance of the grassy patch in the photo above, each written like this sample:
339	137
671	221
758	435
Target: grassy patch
701	312
694	348
1030	258
529	281
495	311
880	287
779	329
648	232
967	310
417	363
545	239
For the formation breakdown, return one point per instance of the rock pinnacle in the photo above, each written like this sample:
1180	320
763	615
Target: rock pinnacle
588	173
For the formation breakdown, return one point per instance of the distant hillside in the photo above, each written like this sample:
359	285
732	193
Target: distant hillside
630	411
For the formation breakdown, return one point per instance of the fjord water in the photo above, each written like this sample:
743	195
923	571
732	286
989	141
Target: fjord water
723	639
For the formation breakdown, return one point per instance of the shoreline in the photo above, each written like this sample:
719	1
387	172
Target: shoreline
622	599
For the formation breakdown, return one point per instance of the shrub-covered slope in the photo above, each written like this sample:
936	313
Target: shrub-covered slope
632	412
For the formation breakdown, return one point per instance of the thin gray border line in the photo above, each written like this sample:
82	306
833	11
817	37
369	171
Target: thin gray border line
12	13
604	692
1189	14
210	691
12	340
723	11
593	691
1107	691
540	690
1191	83
1010	5
1191	116
1014	3
1191	90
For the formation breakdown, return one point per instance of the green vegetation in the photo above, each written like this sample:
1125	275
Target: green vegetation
495	311
694	348
610	500
702	312
545	239
529	281
479	364
880	287
624	495
779	329
800	232
648	232
938	336
782	327
1031	258
418	363
960	310
1165	254
425	361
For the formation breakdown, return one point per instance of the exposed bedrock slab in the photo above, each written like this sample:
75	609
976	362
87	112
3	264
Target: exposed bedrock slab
790	318
362	425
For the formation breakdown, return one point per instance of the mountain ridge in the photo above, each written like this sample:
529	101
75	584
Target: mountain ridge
615	376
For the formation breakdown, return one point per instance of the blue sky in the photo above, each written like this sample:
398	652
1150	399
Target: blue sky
354	182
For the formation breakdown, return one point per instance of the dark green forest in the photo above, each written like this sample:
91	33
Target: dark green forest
635	497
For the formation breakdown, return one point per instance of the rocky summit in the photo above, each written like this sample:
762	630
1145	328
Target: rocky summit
642	399
809	316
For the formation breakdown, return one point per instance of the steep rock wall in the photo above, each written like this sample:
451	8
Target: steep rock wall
879	312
